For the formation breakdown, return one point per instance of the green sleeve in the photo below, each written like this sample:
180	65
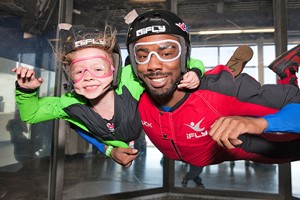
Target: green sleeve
196	66
131	82
34	109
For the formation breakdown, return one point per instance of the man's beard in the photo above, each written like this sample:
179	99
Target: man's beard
164	93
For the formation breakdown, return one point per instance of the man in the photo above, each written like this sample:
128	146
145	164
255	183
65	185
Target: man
178	121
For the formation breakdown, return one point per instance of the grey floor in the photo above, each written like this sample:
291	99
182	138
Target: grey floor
91	175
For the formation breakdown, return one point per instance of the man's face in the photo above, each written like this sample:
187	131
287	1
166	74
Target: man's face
158	63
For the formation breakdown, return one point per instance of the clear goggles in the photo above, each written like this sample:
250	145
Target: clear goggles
98	67
164	50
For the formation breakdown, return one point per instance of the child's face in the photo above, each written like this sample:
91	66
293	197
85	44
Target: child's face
91	70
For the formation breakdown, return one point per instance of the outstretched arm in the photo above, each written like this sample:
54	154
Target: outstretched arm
285	120
226	130
32	108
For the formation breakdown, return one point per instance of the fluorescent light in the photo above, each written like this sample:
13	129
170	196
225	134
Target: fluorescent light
149	1
27	35
237	31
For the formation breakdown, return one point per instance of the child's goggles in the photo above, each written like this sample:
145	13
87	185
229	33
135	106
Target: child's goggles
164	50
100	67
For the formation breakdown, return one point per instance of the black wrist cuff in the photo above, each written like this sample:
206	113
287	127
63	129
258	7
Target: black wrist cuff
24	90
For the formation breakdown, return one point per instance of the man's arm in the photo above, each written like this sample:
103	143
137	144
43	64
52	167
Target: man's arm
226	130
285	120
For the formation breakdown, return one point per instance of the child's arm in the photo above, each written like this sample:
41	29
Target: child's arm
191	79
26	78
122	155
197	66
32	108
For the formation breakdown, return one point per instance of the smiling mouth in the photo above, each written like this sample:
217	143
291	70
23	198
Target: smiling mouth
158	80
91	87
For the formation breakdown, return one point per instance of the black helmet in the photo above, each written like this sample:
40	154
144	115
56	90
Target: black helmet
159	22
79	36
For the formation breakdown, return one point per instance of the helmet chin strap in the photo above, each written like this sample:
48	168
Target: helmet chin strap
184	55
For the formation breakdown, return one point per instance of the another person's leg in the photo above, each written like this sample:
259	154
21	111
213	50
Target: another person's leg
193	174
286	66
198	179
239	59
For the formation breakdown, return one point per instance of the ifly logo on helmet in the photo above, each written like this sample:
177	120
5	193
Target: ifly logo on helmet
152	29
89	42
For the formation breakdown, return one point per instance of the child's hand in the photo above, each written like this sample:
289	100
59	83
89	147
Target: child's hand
190	81
26	78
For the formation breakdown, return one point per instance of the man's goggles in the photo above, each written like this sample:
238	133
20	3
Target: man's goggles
164	50
99	67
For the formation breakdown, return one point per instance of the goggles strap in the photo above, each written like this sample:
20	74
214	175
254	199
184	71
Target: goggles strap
89	58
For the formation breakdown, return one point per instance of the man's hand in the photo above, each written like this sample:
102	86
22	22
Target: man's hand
226	130
124	156
26	78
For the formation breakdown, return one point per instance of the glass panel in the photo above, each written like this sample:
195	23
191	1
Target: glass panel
91	174
25	149
238	175
208	55
269	56
296	179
